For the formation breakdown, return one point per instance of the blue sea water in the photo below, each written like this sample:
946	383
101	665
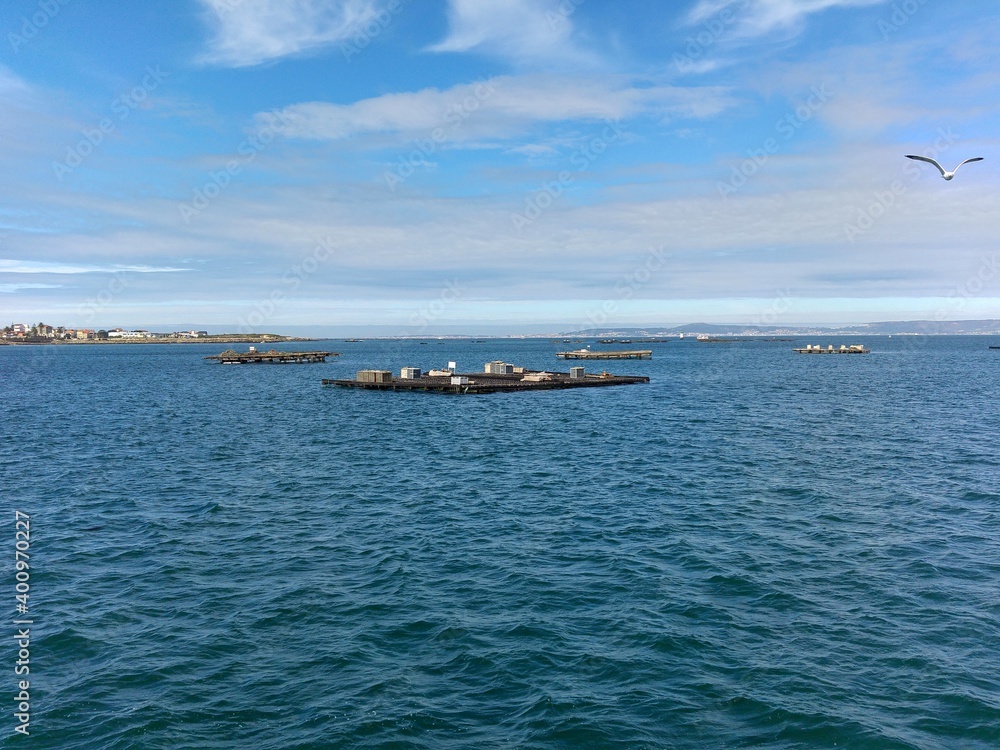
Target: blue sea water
756	549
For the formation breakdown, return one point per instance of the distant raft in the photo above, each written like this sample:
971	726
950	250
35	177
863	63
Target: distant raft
598	354
852	349
272	357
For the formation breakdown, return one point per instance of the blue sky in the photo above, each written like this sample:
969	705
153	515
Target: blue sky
431	165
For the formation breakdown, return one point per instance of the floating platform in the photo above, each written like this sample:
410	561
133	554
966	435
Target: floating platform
852	349
588	354
272	357
382	380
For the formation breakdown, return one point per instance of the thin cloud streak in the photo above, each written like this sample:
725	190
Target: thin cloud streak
14	288
759	17
29	266
500	107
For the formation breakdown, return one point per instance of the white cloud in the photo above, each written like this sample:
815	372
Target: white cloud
757	17
878	91
523	31
19	100
534	150
498	108
250	32
32	266
10	84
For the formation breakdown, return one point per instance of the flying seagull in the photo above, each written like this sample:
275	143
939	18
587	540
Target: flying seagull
947	175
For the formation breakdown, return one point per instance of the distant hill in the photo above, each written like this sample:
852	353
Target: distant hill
884	328
931	327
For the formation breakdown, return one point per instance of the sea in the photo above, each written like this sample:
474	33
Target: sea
756	549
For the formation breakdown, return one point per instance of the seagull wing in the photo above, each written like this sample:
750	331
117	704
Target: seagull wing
974	158
928	160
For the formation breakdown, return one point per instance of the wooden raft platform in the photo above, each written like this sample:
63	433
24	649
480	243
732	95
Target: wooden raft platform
253	357
491	383
588	354
852	349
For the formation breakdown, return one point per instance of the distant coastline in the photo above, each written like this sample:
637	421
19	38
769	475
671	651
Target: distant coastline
987	327
23	334
265	338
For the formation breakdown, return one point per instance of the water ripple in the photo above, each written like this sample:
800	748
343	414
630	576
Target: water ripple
754	550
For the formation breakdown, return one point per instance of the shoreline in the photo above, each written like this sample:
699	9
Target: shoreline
222	339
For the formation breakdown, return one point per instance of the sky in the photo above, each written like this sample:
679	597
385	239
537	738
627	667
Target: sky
524	165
